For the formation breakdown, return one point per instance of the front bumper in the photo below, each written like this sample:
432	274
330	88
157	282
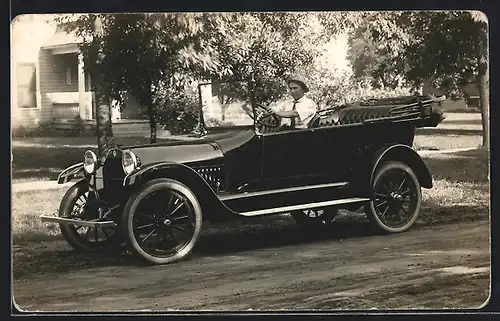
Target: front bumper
69	221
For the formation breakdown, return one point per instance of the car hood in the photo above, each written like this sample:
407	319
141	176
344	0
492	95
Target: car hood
191	149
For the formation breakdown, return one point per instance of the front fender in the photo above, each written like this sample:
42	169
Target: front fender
213	208
407	155
70	173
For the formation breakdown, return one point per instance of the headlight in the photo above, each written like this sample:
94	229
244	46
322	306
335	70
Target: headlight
129	162
90	162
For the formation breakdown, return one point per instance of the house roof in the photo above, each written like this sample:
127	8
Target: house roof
62	38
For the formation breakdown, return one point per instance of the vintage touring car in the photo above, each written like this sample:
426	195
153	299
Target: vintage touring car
240	162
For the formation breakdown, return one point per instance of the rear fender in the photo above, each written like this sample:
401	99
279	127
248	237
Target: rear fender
406	155
213	208
70	173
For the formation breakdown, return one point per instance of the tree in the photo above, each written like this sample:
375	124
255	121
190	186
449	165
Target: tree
141	54
105	139
265	48
483	74
449	49
370	62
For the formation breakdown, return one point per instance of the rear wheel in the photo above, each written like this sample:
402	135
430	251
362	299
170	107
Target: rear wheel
396	198
162	221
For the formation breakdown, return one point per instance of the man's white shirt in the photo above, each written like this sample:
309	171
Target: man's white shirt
305	107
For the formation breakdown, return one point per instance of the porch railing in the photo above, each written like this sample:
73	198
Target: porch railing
65	111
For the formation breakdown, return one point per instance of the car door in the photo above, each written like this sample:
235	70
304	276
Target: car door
318	152
286	153
337	148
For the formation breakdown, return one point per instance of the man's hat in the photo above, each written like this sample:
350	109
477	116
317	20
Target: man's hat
300	80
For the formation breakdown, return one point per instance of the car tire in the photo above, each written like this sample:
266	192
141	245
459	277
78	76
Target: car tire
388	198
164	222
76	192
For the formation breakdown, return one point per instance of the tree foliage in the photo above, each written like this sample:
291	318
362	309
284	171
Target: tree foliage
447	49
142	54
392	48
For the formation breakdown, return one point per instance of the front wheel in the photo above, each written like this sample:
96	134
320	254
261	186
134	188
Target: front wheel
396	198
79	203
162	221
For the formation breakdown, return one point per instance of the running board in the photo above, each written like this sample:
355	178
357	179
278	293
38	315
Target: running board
280	190
69	221
304	206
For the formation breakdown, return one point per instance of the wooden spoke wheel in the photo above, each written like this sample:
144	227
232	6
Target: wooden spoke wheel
162	221
396	198
80	203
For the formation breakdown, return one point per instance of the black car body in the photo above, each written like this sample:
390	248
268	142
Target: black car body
350	156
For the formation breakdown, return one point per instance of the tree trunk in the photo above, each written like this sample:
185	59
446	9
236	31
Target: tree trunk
102	106
484	83
484	93
105	139
152	123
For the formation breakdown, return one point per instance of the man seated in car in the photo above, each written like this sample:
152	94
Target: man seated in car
298	112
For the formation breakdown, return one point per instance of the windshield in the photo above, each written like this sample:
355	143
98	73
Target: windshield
226	104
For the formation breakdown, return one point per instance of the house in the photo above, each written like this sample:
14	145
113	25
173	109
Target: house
470	101
49	81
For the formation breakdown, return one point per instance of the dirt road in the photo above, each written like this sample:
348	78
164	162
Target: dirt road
273	267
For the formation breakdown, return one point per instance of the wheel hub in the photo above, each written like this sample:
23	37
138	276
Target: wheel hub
167	222
396	196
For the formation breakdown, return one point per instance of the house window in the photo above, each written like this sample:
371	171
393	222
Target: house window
68	76
26	85
473	102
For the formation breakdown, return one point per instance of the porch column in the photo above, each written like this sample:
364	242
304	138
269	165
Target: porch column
82	101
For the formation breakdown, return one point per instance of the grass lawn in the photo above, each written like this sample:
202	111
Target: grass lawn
461	187
26	209
461	192
43	158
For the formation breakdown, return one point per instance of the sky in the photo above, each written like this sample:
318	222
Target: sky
337	51
28	34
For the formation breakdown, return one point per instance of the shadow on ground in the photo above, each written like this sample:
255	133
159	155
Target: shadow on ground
274	231
465	166
234	237
463	121
46	174
433	214
277	233
220	239
448	131
38	161
42	157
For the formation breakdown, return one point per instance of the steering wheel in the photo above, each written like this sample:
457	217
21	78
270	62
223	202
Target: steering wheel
266	117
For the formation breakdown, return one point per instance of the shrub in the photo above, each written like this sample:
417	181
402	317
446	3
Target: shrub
51	129
176	108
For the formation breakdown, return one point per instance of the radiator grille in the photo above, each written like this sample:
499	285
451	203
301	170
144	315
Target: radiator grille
213	175
112	170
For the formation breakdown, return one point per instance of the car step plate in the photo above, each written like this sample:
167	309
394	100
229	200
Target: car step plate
305	206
